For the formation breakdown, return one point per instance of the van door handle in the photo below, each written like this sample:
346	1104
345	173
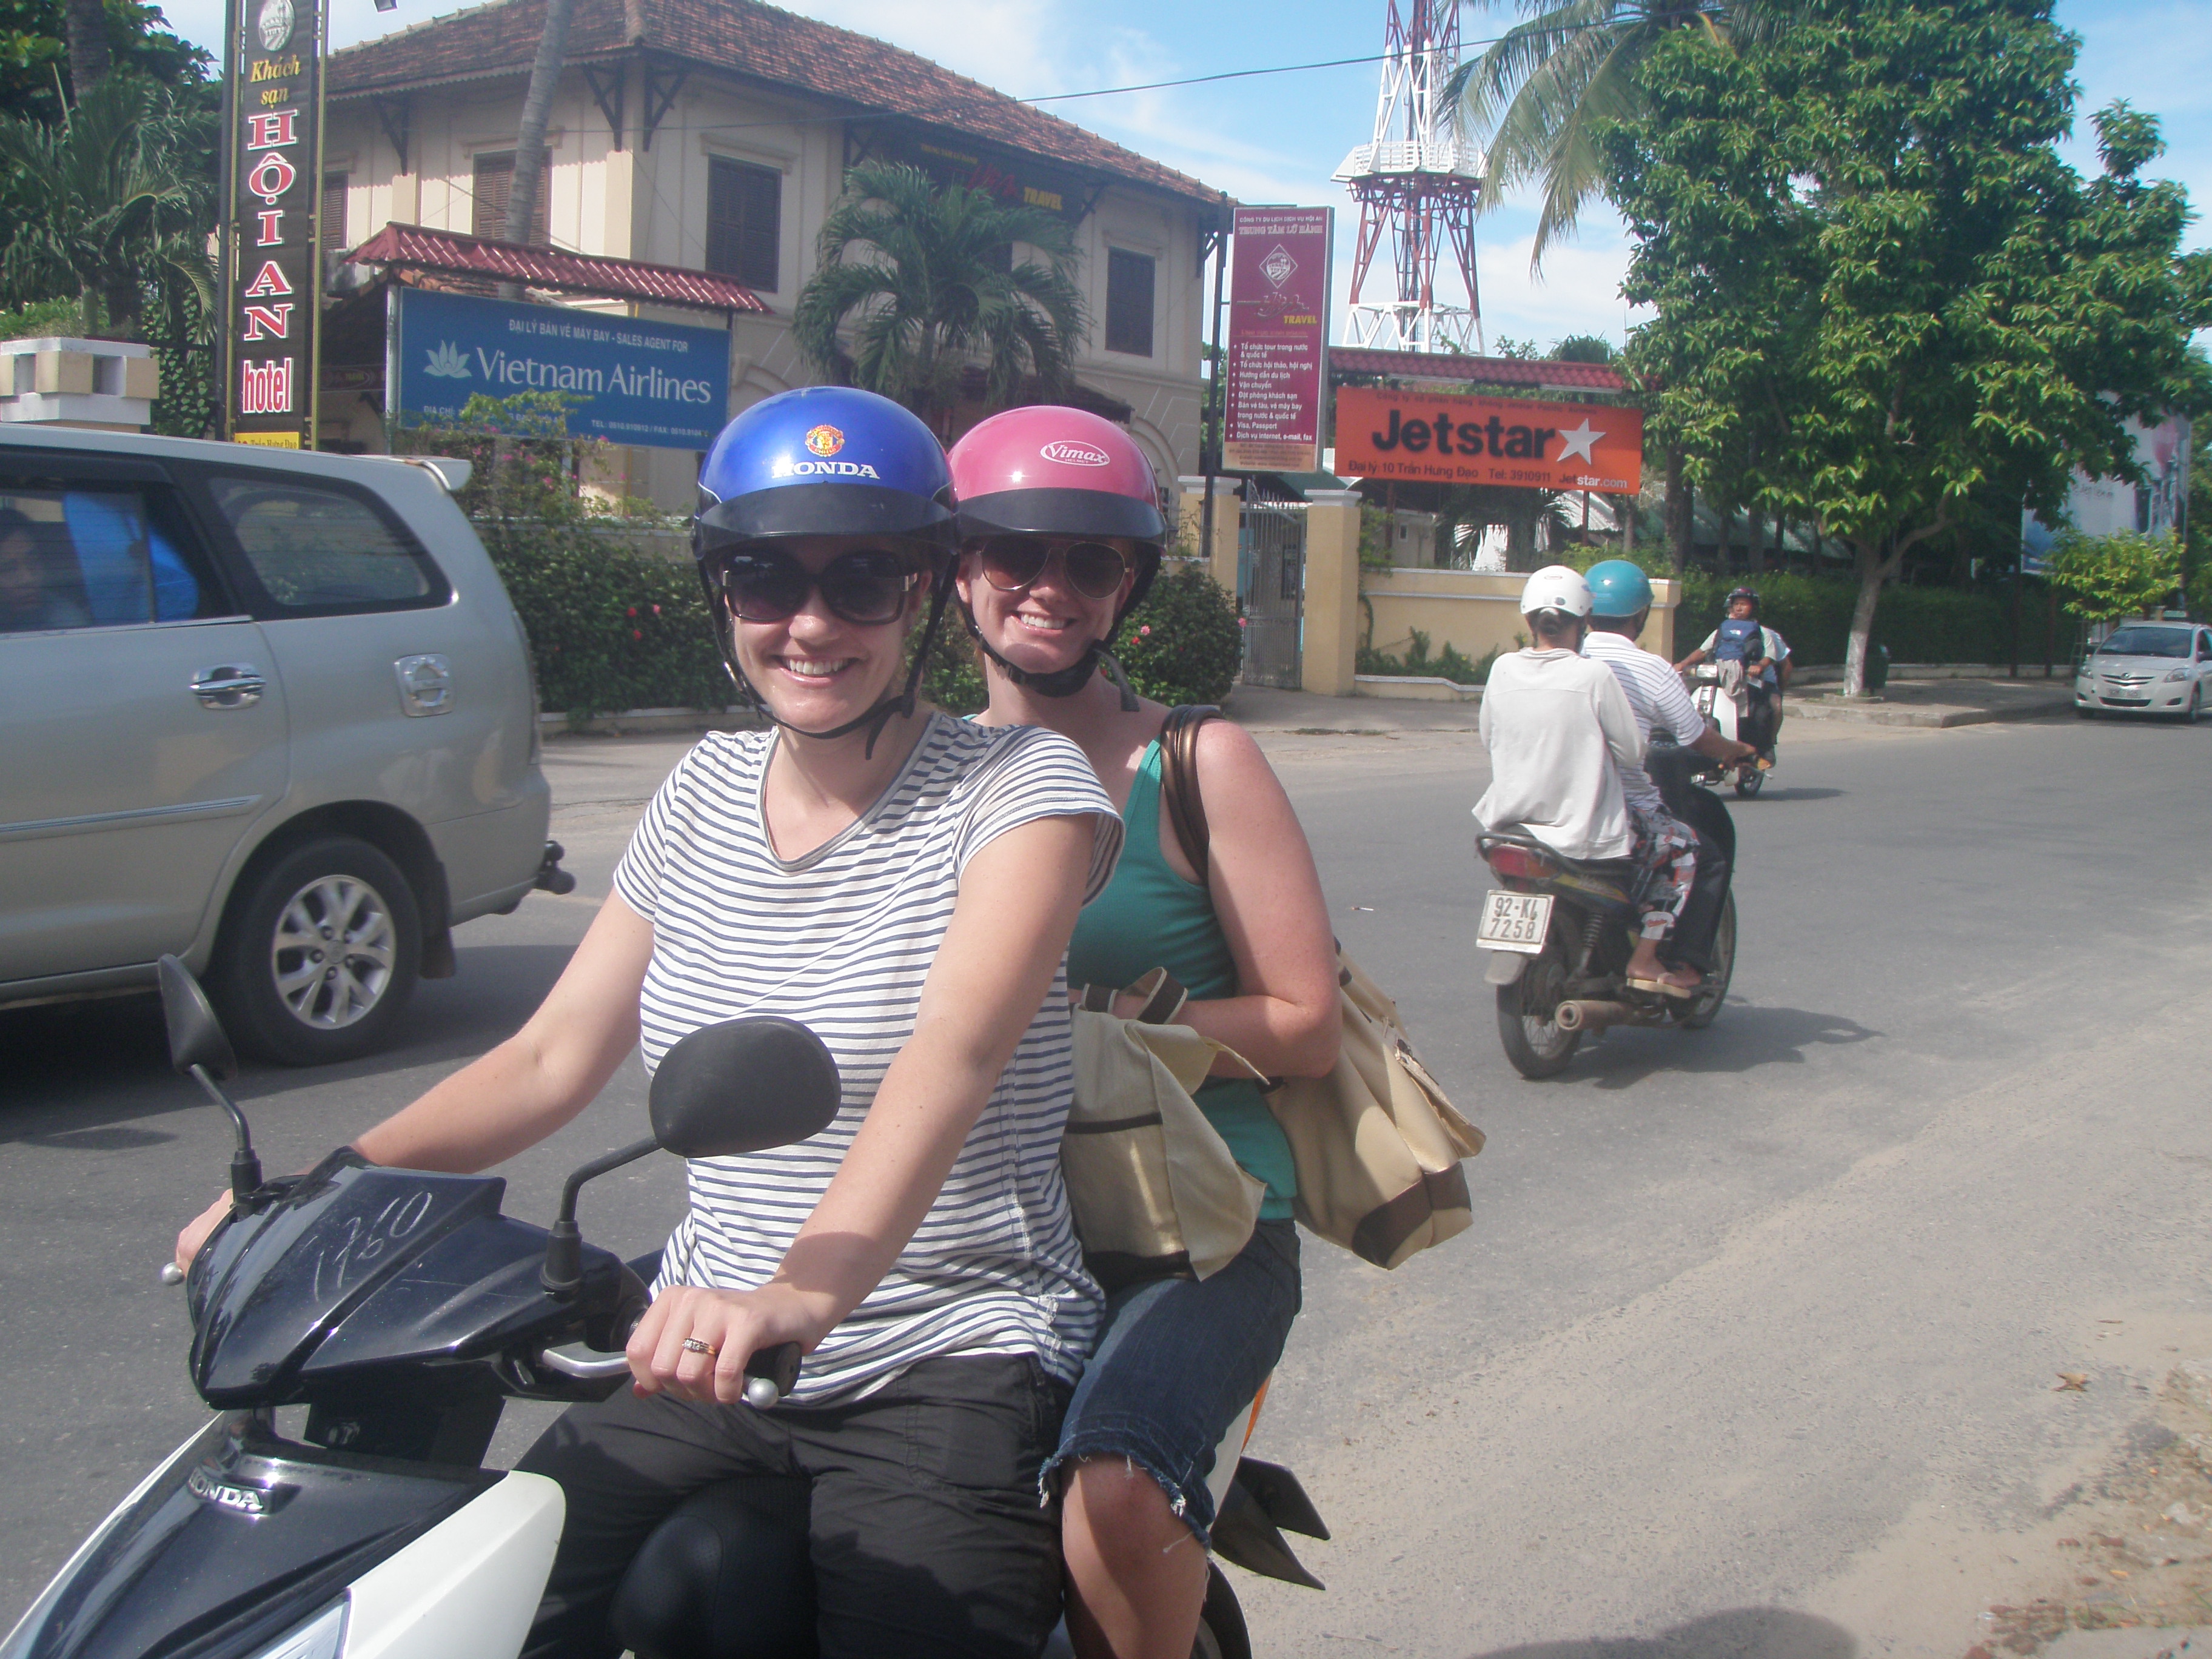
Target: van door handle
229	685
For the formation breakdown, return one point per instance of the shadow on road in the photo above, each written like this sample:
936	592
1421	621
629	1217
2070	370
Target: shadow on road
75	1073
1739	1633
1807	793
1744	1038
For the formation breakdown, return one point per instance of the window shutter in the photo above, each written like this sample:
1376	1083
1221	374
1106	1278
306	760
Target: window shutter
334	212
494	181
744	210
1129	302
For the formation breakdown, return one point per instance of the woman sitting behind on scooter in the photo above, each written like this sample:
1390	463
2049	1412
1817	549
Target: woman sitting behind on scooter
1061	532
905	884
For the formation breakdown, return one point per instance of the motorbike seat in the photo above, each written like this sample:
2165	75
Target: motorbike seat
727	1576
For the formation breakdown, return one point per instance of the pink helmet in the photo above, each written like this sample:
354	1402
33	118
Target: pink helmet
1047	469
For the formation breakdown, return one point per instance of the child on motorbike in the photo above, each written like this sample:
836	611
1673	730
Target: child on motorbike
905	883
1561	733
1061	532
1766	665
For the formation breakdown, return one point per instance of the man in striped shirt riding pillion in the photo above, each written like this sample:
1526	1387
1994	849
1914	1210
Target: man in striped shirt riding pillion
1620	602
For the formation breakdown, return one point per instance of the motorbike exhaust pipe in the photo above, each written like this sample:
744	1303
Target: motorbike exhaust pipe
1585	1014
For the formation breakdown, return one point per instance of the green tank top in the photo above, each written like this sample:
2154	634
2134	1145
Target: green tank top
1149	917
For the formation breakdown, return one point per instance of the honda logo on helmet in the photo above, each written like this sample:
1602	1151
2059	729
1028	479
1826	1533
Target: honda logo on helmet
1075	454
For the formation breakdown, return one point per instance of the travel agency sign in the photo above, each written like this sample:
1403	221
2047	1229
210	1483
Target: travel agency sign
661	385
1439	438
1278	356
272	299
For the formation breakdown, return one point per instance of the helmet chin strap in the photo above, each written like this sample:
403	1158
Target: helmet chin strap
900	703
1060	682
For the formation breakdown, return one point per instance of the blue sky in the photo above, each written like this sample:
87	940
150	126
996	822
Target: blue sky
1277	138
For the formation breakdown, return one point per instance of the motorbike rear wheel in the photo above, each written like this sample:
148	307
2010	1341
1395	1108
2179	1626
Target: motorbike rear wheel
1534	1042
1699	1011
1749	780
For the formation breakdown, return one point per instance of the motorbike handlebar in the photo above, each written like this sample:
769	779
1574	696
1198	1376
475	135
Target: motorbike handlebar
172	1273
770	1373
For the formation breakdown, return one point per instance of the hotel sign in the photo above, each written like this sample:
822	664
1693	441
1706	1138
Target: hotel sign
273	286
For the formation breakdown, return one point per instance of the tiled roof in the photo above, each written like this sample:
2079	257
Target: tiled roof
410	247
756	42
1449	369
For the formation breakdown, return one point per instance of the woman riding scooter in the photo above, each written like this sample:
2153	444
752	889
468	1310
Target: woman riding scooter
1060	536
904	884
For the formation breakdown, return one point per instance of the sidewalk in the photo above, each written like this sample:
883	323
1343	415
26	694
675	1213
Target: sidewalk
1939	702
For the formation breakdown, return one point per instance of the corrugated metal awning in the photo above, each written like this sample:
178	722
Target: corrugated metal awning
449	252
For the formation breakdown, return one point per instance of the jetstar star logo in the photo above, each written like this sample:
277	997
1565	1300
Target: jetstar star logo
825	440
1075	454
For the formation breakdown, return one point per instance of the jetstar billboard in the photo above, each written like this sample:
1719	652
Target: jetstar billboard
1443	439
272	301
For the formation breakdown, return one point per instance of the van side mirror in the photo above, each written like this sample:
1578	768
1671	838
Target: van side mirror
743	1085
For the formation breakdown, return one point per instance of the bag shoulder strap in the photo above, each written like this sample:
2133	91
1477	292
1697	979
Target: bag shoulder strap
1179	788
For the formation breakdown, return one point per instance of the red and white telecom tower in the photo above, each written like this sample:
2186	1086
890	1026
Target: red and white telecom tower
1416	183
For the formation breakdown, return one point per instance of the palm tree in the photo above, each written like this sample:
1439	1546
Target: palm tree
1545	87
109	204
926	281
529	136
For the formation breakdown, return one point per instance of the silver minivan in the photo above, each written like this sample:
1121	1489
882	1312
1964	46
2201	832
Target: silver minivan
269	711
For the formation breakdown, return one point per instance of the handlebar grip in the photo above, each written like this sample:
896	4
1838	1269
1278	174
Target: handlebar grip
770	1373
172	1273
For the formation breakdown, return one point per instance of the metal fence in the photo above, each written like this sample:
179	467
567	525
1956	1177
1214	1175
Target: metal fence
1273	558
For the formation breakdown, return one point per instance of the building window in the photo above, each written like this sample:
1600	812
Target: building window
745	216
1129	302
334	212
494	180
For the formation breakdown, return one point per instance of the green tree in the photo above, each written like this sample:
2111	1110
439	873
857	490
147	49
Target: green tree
2106	578
36	76
925	281
111	203
1879	286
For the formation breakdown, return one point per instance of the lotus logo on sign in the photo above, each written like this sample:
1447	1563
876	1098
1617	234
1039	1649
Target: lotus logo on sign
1074	455
447	362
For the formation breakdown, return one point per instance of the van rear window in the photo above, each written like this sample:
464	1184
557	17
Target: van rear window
318	548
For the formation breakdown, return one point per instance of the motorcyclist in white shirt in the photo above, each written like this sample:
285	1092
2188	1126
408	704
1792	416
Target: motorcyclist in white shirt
1559	729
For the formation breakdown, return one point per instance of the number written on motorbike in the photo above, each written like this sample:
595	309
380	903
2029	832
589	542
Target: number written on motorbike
1514	922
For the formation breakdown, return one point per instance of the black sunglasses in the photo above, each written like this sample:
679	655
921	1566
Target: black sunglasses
1011	563
867	587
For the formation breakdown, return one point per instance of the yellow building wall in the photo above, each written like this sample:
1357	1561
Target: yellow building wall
1477	613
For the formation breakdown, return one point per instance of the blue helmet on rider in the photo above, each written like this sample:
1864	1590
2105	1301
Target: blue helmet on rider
826	461
1618	588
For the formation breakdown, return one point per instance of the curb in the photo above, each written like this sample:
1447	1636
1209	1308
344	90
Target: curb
1937	718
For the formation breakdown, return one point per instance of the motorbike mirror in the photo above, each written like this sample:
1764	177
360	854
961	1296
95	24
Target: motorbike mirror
196	1035
743	1085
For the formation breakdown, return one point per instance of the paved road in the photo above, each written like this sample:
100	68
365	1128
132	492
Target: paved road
1752	1347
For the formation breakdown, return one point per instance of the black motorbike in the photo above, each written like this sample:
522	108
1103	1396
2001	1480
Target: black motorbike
402	1310
1561	931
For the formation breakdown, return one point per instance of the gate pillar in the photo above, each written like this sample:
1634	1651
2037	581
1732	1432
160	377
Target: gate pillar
1332	599
1221	557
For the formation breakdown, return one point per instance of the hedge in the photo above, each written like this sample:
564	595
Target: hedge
1814	613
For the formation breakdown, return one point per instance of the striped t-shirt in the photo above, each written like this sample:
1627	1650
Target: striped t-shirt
1656	696
841	940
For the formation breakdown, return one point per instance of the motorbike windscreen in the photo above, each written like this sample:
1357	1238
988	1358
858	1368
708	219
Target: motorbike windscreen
274	1284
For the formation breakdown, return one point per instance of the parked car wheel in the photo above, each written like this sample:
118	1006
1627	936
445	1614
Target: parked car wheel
321	955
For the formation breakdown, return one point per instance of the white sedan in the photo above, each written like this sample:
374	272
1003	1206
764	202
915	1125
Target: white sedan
2147	668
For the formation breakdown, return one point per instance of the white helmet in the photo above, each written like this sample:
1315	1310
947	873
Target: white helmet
1556	587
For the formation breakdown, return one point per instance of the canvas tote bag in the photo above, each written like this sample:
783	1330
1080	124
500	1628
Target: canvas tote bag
1375	1144
1155	1190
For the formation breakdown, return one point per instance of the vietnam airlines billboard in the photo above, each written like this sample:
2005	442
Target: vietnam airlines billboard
660	386
1448	439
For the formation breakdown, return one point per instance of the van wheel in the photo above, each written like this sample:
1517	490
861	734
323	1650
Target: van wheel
321	954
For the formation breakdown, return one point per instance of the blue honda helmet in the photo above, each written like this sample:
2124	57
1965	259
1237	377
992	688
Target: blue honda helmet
1618	588
825	460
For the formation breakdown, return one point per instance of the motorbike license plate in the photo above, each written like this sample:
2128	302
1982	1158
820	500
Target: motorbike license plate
1514	922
